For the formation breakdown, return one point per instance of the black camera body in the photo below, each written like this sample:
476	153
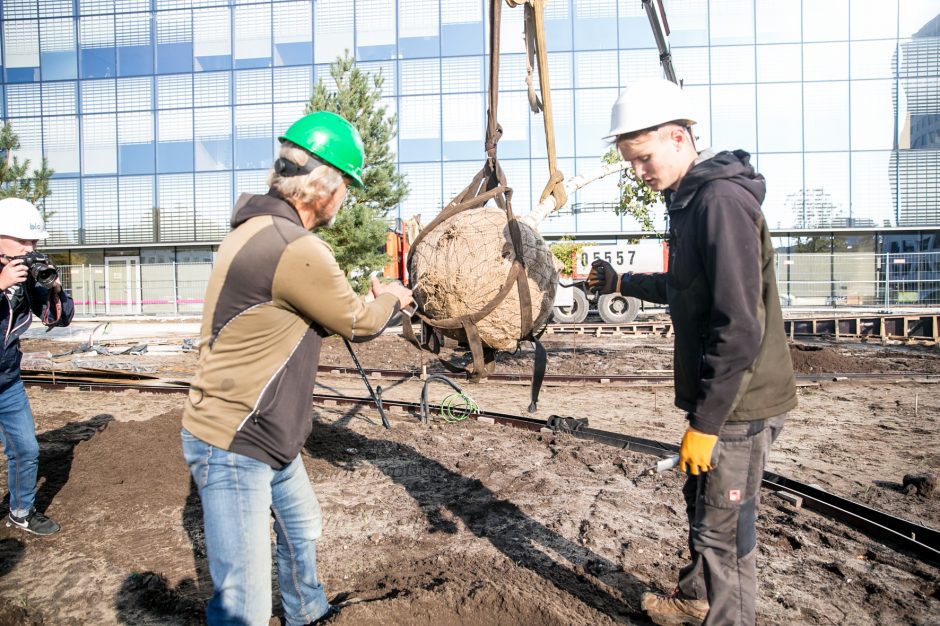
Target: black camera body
40	267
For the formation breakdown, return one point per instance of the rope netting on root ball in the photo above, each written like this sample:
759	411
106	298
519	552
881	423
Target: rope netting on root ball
462	265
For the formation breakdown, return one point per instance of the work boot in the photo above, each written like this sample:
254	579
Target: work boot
337	603
674	609
34	522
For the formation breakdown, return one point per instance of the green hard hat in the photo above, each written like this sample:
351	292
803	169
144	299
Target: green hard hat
332	139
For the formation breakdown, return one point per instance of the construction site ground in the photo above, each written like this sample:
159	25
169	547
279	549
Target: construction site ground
469	523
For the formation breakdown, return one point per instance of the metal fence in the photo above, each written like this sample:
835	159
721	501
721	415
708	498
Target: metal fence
123	286
859	279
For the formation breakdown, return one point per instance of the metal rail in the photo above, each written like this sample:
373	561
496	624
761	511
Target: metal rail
890	327
83	376
916	539
95	376
665	378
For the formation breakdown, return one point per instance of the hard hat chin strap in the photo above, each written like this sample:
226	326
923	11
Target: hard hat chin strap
688	129
287	168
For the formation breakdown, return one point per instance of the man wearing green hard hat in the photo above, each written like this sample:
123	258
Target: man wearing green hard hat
275	292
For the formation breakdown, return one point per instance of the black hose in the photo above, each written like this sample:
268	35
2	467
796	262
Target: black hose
425	405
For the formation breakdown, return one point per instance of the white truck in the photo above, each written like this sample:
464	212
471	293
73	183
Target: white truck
573	302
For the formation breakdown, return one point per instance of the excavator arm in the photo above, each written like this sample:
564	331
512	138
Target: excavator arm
660	33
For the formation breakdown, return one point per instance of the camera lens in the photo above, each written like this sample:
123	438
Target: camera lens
46	275
43	273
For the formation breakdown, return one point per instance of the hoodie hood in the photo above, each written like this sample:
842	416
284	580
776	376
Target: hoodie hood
272	203
734	166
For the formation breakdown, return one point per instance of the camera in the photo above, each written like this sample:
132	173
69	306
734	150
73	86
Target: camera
40	267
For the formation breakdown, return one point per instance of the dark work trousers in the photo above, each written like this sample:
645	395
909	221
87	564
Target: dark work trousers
722	508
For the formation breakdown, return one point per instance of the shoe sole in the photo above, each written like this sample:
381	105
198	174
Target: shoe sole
675	621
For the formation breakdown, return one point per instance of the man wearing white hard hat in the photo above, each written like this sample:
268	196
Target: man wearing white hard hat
733	375
30	284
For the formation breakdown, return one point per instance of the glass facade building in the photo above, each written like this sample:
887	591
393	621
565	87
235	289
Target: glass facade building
156	114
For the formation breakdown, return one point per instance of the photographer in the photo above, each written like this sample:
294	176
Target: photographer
30	284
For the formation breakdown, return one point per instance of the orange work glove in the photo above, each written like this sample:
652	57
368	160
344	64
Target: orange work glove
696	451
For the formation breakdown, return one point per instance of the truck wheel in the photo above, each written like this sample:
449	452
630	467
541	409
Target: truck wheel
574	314
616	309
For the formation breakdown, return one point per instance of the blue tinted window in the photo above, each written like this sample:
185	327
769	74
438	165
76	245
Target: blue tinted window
207	63
59	65
135	60
214	154
174	156
595	34
513	149
416	47
253	153
376	53
98	63
249	63
22	74
174	57
419	149
558	35
136	158
635	32
464	150
297	53
458	39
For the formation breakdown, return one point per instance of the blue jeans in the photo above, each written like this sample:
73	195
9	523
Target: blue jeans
18	435
239	495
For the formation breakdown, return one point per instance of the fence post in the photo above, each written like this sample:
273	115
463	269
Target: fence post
176	288
887	279
86	277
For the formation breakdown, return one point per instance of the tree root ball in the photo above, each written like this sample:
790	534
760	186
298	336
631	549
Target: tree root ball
460	266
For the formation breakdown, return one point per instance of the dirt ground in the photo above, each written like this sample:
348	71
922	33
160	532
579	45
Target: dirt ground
468	523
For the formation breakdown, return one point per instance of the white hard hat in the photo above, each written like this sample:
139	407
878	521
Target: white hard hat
649	103
20	219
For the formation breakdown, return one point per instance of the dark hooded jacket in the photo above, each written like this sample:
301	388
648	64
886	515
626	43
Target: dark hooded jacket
274	293
731	356
16	315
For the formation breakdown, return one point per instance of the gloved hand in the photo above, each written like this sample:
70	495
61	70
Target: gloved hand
696	451
603	278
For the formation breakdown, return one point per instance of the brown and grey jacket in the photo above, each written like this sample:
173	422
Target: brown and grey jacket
274	293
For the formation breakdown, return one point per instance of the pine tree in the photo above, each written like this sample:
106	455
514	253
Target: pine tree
14	180
358	235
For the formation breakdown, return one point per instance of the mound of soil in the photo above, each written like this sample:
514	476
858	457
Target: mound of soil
815	359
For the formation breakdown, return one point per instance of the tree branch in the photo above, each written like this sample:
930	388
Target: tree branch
547	206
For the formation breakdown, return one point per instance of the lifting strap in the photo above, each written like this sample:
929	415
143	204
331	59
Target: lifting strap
488	184
536	49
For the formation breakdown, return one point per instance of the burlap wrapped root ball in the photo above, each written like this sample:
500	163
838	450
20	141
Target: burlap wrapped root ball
460	266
